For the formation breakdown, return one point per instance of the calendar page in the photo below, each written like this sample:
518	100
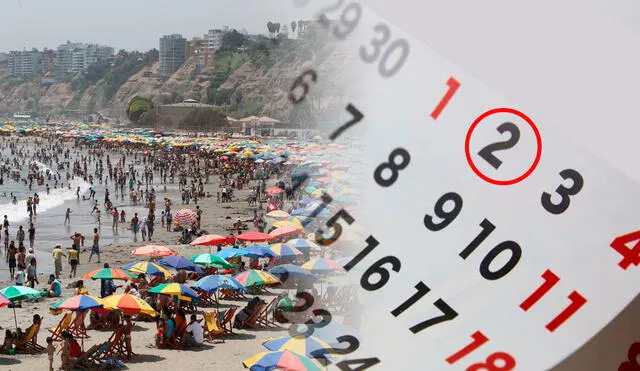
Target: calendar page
494	241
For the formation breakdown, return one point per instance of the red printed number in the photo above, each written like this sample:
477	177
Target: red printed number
632	355
507	362
550	280
453	87
630	255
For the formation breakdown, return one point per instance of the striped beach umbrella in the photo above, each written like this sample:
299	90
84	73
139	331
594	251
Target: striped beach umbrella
149	268
183	292
285	251
186	217
282	360
211	260
255	277
110	274
78	303
128	304
153	250
322	265
298	345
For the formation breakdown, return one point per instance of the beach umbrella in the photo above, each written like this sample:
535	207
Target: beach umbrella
300	345
214	282
78	303
285	251
180	263
259	251
255	277
4	301
183	292
17	293
128	304
110	274
231	253
186	217
322	265
211	260
254	236
291	270
294	222
303	244
153	250
149	268
281	360
278	214
285	231
209	240
275	191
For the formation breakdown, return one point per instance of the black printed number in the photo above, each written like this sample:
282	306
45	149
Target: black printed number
487	152
564	192
353	342
364	363
301	83
392	166
446	216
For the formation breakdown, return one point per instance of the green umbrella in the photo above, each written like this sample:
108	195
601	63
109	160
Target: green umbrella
17	293
211	260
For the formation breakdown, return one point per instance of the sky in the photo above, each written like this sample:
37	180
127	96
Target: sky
133	24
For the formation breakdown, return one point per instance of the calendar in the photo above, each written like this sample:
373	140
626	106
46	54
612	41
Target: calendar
494	241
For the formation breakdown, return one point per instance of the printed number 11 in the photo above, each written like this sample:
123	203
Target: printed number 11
453	87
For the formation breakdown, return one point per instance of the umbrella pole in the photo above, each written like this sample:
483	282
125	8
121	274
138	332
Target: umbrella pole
15	319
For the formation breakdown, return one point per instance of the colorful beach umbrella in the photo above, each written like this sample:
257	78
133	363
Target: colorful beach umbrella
149	268
302	244
214	282
110	274
285	251
322	265
78	303
211	260
293	222
231	253
183	292
186	217
209	240
180	263
255	277
259	251
300	345
281	360
254	236
128	304
17	293
286	231
153	250
4	301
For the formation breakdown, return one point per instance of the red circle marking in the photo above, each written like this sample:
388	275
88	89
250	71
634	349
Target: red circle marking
475	169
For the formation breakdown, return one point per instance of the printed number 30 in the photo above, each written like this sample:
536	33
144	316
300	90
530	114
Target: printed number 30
564	192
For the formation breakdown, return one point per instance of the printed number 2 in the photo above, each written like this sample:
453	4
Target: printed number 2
487	152
564	192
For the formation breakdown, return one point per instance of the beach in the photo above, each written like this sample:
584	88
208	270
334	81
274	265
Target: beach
115	248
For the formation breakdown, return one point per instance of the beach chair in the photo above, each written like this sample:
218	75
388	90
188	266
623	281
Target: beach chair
77	328
253	317
212	327
29	343
230	294
56	332
207	299
227	321
266	318
116	346
90	358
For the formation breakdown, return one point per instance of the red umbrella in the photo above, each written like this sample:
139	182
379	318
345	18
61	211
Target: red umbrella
275	190
285	231
254	236
4	301
209	240
186	217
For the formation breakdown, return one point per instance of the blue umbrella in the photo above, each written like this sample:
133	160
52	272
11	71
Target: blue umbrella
231	253
180	263
292	270
214	282
259	251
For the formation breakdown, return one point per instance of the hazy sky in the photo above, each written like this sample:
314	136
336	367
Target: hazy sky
133	24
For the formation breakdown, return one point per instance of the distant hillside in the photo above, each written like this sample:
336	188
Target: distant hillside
245	78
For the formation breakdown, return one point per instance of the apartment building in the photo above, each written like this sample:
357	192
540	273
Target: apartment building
173	54
25	63
75	57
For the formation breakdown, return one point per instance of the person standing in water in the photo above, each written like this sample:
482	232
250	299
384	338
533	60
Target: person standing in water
134	227
95	249
32	235
67	216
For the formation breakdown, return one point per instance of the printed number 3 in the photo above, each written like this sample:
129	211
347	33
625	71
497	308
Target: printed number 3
377	43
564	192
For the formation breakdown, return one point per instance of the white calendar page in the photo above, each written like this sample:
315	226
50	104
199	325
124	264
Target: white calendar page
532	212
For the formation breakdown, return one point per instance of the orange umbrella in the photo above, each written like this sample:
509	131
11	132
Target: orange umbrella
153	250
275	190
285	231
209	240
254	236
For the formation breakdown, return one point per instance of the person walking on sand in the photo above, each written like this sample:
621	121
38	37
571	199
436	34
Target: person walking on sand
12	258
57	259
74	256
169	220
95	248
134	226
51	351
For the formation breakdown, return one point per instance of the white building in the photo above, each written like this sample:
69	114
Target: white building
75	57
212	42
